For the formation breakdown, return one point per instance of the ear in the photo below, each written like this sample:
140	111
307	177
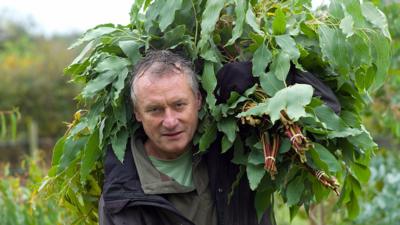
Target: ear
199	101
138	116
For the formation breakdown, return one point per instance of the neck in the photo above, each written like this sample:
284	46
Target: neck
151	150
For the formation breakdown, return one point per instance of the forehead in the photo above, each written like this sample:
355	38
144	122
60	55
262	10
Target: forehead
170	86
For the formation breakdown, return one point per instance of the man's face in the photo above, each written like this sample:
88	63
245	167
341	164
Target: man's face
168	110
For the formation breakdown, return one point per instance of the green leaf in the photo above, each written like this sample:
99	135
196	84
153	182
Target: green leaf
363	140
228	127
90	154
334	123
93	34
256	157
13	125
285	146
263	200
288	45
346	24
292	99
252	21
119	84
208	137
294	191
131	49
210	17
261	58
84	51
167	13
279	22
376	17
118	143
327	157
58	151
209	82
381	58
109	69
293	211
3	121
361	171
226	144
240	12
112	63
353	207
334	49
270	84
280	66
254	174
72	148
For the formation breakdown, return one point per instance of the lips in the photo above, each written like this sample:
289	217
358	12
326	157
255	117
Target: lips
172	134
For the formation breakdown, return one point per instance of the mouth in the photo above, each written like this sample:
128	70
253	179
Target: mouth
173	134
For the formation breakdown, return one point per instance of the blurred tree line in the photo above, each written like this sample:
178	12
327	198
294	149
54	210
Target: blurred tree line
33	90
31	78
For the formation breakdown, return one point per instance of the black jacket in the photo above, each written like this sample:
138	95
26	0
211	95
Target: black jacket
124	202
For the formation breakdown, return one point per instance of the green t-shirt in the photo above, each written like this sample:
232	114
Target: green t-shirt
180	169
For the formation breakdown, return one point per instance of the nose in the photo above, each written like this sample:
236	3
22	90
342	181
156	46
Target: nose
170	120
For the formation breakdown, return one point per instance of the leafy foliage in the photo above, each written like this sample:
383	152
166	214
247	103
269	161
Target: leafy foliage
8	123
346	45
31	68
20	204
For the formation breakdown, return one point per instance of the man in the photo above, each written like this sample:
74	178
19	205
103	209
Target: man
162	180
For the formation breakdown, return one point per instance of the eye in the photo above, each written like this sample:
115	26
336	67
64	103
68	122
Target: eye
154	109
180	105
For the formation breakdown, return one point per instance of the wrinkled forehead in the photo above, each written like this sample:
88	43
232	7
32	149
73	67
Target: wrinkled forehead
162	69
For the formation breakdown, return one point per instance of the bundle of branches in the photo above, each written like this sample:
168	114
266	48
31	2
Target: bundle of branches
297	145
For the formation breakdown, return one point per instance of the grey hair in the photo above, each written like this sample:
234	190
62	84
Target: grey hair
166	62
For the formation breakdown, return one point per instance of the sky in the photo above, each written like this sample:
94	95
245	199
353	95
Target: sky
65	16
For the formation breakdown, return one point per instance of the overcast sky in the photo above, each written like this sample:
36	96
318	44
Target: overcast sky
65	16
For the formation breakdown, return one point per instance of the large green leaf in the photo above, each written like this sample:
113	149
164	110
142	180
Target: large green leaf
294	191
228	127
167	13
58	151
279	22
131	49
280	65
208	20
326	157
346	24
118	143
382	53
240	12
91	153
334	123
254	174
376	17
109	69
261	58
209	82
208	137
252	21
334	48
288	45
119	84
270	84
94	34
71	149
292	99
